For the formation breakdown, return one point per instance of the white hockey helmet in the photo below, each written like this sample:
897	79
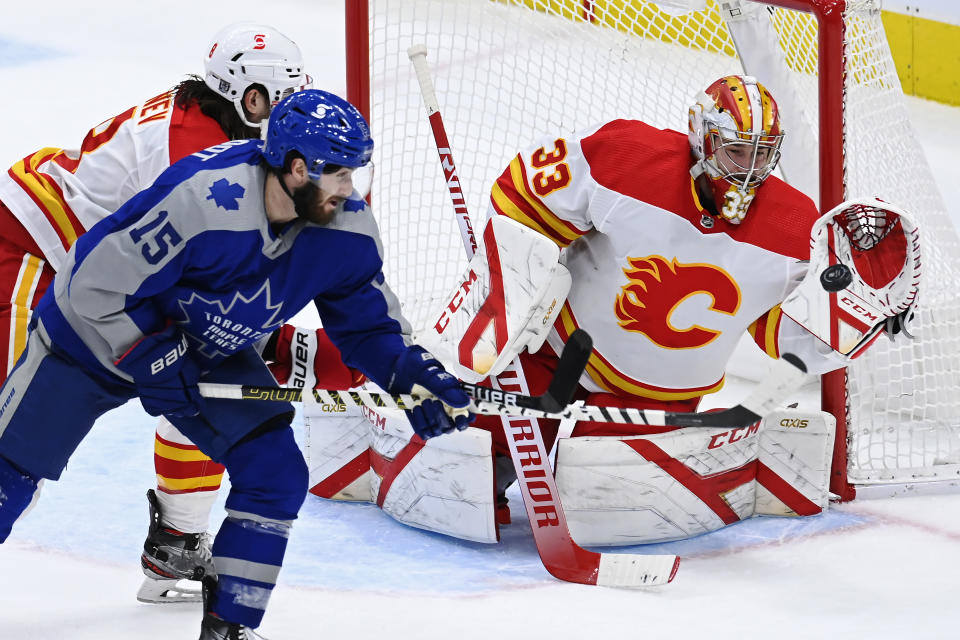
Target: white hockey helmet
245	54
735	135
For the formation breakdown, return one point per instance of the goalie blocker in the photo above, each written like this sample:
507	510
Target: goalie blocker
506	302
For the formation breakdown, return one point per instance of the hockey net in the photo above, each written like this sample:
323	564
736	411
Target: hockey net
510	71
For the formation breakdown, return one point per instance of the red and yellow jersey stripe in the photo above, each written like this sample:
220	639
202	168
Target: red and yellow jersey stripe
512	197
610	378
47	194
764	331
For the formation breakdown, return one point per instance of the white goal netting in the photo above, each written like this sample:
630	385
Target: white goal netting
508	72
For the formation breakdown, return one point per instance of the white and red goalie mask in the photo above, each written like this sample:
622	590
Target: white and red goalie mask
735	136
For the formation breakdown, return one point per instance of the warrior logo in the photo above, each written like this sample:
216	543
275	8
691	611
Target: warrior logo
655	289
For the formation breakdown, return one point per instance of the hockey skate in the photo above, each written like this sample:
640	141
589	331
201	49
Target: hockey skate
214	628
173	562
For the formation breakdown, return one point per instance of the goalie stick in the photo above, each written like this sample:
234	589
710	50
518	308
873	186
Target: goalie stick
787	375
561	556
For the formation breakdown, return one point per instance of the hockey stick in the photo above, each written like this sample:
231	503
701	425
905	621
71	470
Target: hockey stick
488	401
786	376
561	556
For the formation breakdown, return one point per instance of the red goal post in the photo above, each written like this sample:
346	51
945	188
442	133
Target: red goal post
508	71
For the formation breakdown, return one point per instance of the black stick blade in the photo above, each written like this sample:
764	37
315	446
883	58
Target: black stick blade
573	361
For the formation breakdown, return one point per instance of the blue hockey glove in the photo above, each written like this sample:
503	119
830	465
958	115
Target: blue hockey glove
164	373
417	367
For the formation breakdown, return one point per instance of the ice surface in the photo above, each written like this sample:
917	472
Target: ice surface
871	569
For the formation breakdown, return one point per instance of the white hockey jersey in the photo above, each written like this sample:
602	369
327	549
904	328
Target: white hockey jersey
665	289
57	194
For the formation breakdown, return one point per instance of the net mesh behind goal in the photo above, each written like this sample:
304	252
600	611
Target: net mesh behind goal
510	72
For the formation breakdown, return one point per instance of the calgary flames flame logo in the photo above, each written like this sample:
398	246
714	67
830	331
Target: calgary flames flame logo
656	288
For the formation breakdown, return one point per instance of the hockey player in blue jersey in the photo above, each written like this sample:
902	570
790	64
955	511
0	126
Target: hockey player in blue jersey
176	287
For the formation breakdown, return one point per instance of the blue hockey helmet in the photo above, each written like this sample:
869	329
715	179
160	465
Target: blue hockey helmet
322	127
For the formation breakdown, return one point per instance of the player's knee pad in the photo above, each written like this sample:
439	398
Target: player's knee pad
17	489
793	466
268	475
336	447
667	486
443	485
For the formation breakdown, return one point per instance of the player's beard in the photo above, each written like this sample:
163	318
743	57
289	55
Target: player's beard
309	202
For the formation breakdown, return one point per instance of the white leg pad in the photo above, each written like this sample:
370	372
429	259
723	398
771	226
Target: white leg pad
665	487
336	441
446	487
796	450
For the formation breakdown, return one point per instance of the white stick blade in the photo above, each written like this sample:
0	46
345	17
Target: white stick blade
633	570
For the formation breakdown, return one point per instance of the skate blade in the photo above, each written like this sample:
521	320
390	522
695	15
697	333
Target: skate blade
169	591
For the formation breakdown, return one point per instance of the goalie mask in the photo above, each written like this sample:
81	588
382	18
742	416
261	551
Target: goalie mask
246	54
735	137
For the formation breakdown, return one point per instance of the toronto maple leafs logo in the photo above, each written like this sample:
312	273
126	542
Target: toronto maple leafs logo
223	324
226	194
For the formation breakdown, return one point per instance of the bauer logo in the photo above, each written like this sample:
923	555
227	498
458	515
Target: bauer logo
486	394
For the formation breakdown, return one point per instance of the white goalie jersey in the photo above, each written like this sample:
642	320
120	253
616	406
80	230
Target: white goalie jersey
665	289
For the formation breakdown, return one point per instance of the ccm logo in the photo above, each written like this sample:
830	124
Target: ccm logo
455	302
796	423
169	358
377	420
858	310
728	437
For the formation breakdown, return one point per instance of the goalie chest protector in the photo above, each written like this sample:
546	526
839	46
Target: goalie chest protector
665	289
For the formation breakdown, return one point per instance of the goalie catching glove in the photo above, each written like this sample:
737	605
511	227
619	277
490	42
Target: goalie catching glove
418	372
863	279
506	302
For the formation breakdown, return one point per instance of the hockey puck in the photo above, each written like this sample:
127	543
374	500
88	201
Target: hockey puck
836	277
